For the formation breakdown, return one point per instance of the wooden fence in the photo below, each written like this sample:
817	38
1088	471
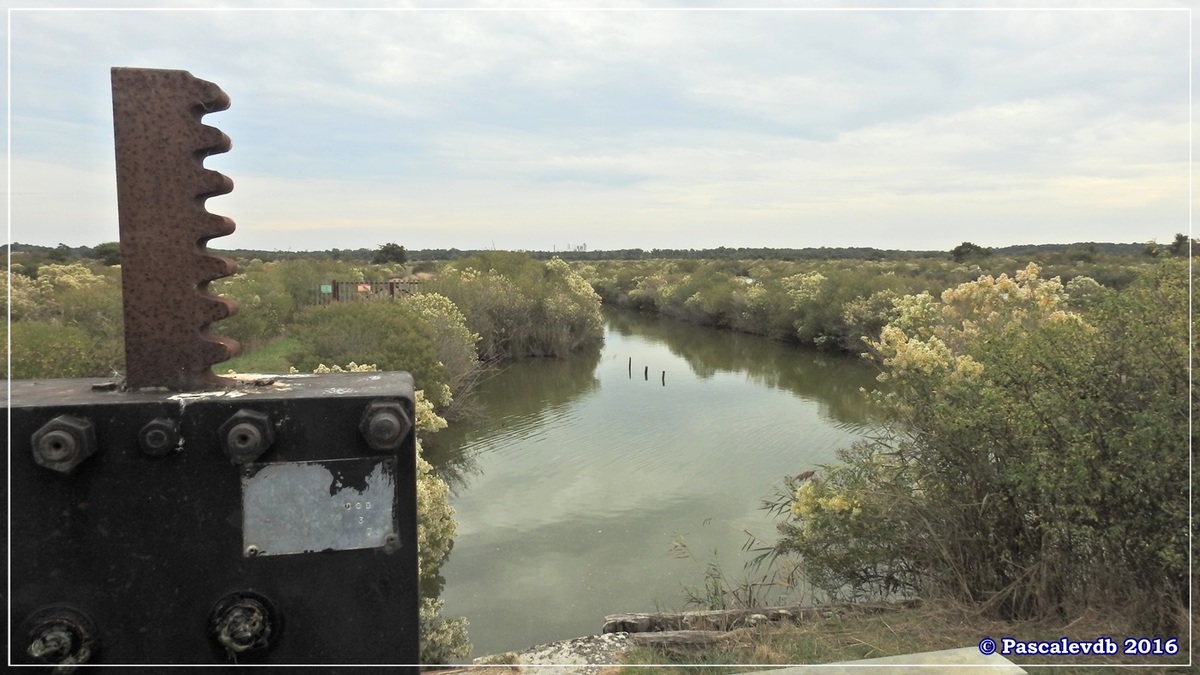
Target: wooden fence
342	291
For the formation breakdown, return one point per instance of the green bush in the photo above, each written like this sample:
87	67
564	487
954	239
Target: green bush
387	333
442	640
851	524
521	307
264	305
42	349
453	343
66	323
1038	460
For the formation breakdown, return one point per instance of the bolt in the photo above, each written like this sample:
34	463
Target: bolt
246	435
57	446
241	623
244	438
385	424
60	635
159	436
64	443
54	644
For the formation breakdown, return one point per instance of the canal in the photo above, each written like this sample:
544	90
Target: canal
579	476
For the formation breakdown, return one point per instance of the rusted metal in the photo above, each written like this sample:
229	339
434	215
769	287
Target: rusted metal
162	186
134	509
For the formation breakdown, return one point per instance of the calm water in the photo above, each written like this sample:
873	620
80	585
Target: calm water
577	480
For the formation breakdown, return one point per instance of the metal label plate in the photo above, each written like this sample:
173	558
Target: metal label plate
303	507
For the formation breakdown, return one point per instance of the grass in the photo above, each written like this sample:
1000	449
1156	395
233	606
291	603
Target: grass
856	636
270	358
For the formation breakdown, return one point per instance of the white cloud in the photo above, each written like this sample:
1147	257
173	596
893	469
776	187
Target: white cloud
673	129
53	203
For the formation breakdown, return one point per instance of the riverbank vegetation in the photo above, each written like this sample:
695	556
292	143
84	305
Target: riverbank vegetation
1031	470
66	322
521	307
829	304
1032	462
66	316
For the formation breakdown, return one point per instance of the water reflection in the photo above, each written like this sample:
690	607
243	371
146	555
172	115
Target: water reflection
580	473
514	401
830	380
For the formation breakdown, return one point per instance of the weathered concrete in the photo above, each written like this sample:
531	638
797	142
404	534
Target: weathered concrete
594	655
732	619
962	660
684	631
579	656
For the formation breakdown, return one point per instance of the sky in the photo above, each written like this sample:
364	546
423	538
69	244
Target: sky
639	125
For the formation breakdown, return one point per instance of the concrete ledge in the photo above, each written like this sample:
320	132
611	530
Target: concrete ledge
964	660
597	654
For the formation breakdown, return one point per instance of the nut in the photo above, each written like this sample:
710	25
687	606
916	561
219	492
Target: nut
385	424
246	435
63	443
243	622
60	635
159	436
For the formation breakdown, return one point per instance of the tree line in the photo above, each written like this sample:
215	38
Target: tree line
391	252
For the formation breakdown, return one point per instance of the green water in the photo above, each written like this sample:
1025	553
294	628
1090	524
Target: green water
579	476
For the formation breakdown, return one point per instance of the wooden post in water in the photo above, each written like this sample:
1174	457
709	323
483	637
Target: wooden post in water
631	367
664	378
646	374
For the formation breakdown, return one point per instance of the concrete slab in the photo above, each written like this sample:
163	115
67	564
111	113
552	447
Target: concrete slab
965	660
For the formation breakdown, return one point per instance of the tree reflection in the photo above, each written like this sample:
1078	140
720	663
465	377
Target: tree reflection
516	400
832	381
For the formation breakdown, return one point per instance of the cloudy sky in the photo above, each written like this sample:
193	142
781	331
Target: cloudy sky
632	127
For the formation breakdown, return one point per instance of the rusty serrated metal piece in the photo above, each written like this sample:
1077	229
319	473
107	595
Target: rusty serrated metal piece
161	189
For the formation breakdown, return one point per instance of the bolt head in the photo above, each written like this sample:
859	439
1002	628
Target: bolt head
244	622
60	635
246	435
244	438
385	424
64	443
58	445
159	437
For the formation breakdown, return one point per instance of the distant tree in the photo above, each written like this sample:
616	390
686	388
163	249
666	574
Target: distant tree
1179	247
59	254
390	253
1086	253
966	251
109	253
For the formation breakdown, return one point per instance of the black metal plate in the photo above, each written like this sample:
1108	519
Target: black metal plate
147	546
